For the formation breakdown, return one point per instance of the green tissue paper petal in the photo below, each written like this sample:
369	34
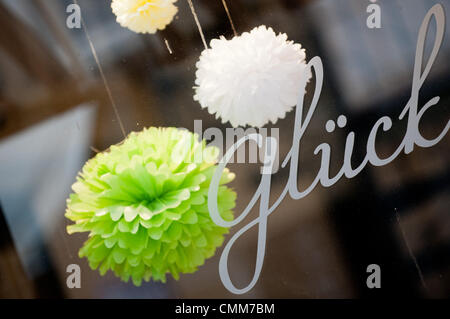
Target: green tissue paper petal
144	204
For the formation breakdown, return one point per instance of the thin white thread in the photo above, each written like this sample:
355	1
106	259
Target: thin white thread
94	149
229	17
168	46
102	74
200	30
422	280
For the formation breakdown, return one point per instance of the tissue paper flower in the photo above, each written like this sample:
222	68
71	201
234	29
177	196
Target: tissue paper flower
144	204
251	79
144	16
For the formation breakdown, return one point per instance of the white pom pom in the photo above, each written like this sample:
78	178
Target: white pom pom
144	16
251	79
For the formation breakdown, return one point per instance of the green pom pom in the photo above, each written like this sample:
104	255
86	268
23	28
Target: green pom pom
144	203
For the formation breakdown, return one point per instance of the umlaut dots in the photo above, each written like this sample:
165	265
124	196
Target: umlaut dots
342	121
330	126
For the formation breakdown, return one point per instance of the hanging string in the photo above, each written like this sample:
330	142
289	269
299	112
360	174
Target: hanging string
411	254
102	74
200	30
168	46
224	2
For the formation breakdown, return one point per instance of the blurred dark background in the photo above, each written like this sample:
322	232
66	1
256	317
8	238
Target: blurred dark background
55	114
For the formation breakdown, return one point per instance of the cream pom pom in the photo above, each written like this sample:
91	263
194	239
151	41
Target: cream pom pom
144	16
251	79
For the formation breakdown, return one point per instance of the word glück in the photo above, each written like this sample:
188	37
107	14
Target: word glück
411	139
